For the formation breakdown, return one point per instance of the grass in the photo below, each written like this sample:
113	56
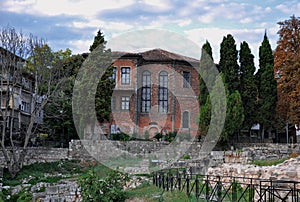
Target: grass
152	193
50	172
271	162
123	162
43	172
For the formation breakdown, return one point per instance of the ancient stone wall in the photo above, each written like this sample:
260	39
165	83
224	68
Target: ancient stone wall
77	151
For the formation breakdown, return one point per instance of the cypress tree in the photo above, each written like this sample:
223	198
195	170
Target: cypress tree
248	87
206	62
267	86
98	40
228	63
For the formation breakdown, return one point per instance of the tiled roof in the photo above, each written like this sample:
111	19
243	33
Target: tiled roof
156	55
163	55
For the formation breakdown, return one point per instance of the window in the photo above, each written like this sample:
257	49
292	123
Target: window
186	79
113	103
25	106
114	74
125	75
163	92
185	119
125	103
146	91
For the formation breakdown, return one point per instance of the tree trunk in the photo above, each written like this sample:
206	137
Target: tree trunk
262	133
15	162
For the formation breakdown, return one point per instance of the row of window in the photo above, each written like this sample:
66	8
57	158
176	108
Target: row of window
146	77
125	100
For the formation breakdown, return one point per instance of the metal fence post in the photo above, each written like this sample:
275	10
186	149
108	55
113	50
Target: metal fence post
172	182
179	182
167	181
207	188
234	191
197	186
251	191
159	180
219	189
187	185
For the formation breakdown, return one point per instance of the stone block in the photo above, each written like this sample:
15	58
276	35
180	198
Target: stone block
52	190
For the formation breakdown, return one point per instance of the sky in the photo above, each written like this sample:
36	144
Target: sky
74	23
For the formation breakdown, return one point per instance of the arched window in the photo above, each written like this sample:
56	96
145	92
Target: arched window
146	91
163	92
185	119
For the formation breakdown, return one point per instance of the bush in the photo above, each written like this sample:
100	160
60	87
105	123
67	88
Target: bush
146	135
120	137
294	155
170	136
95	188
158	136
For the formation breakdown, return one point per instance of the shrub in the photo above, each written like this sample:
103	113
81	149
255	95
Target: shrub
294	155
170	136
95	188
146	135
120	137
158	136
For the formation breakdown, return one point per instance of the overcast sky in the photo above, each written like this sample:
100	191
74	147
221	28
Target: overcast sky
74	23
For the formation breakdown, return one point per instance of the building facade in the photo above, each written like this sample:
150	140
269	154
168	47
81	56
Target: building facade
16	94
156	92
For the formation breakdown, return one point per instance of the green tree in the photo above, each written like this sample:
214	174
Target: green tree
110	188
234	112
228	63
98	40
90	96
106	84
205	117
206	62
234	116
58	112
267	86
248	85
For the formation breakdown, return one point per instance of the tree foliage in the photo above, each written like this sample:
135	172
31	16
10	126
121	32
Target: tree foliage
287	69
37	76
58	112
110	188
206	62
267	93
234	116
248	87
228	63
98	40
106	84
93	90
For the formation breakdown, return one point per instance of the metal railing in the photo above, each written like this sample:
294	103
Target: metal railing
227	188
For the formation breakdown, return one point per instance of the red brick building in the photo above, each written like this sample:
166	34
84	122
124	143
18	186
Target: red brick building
156	91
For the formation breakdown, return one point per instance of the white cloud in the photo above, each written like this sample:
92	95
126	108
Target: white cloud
184	22
289	8
80	46
158	4
214	36
109	26
246	20
63	7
